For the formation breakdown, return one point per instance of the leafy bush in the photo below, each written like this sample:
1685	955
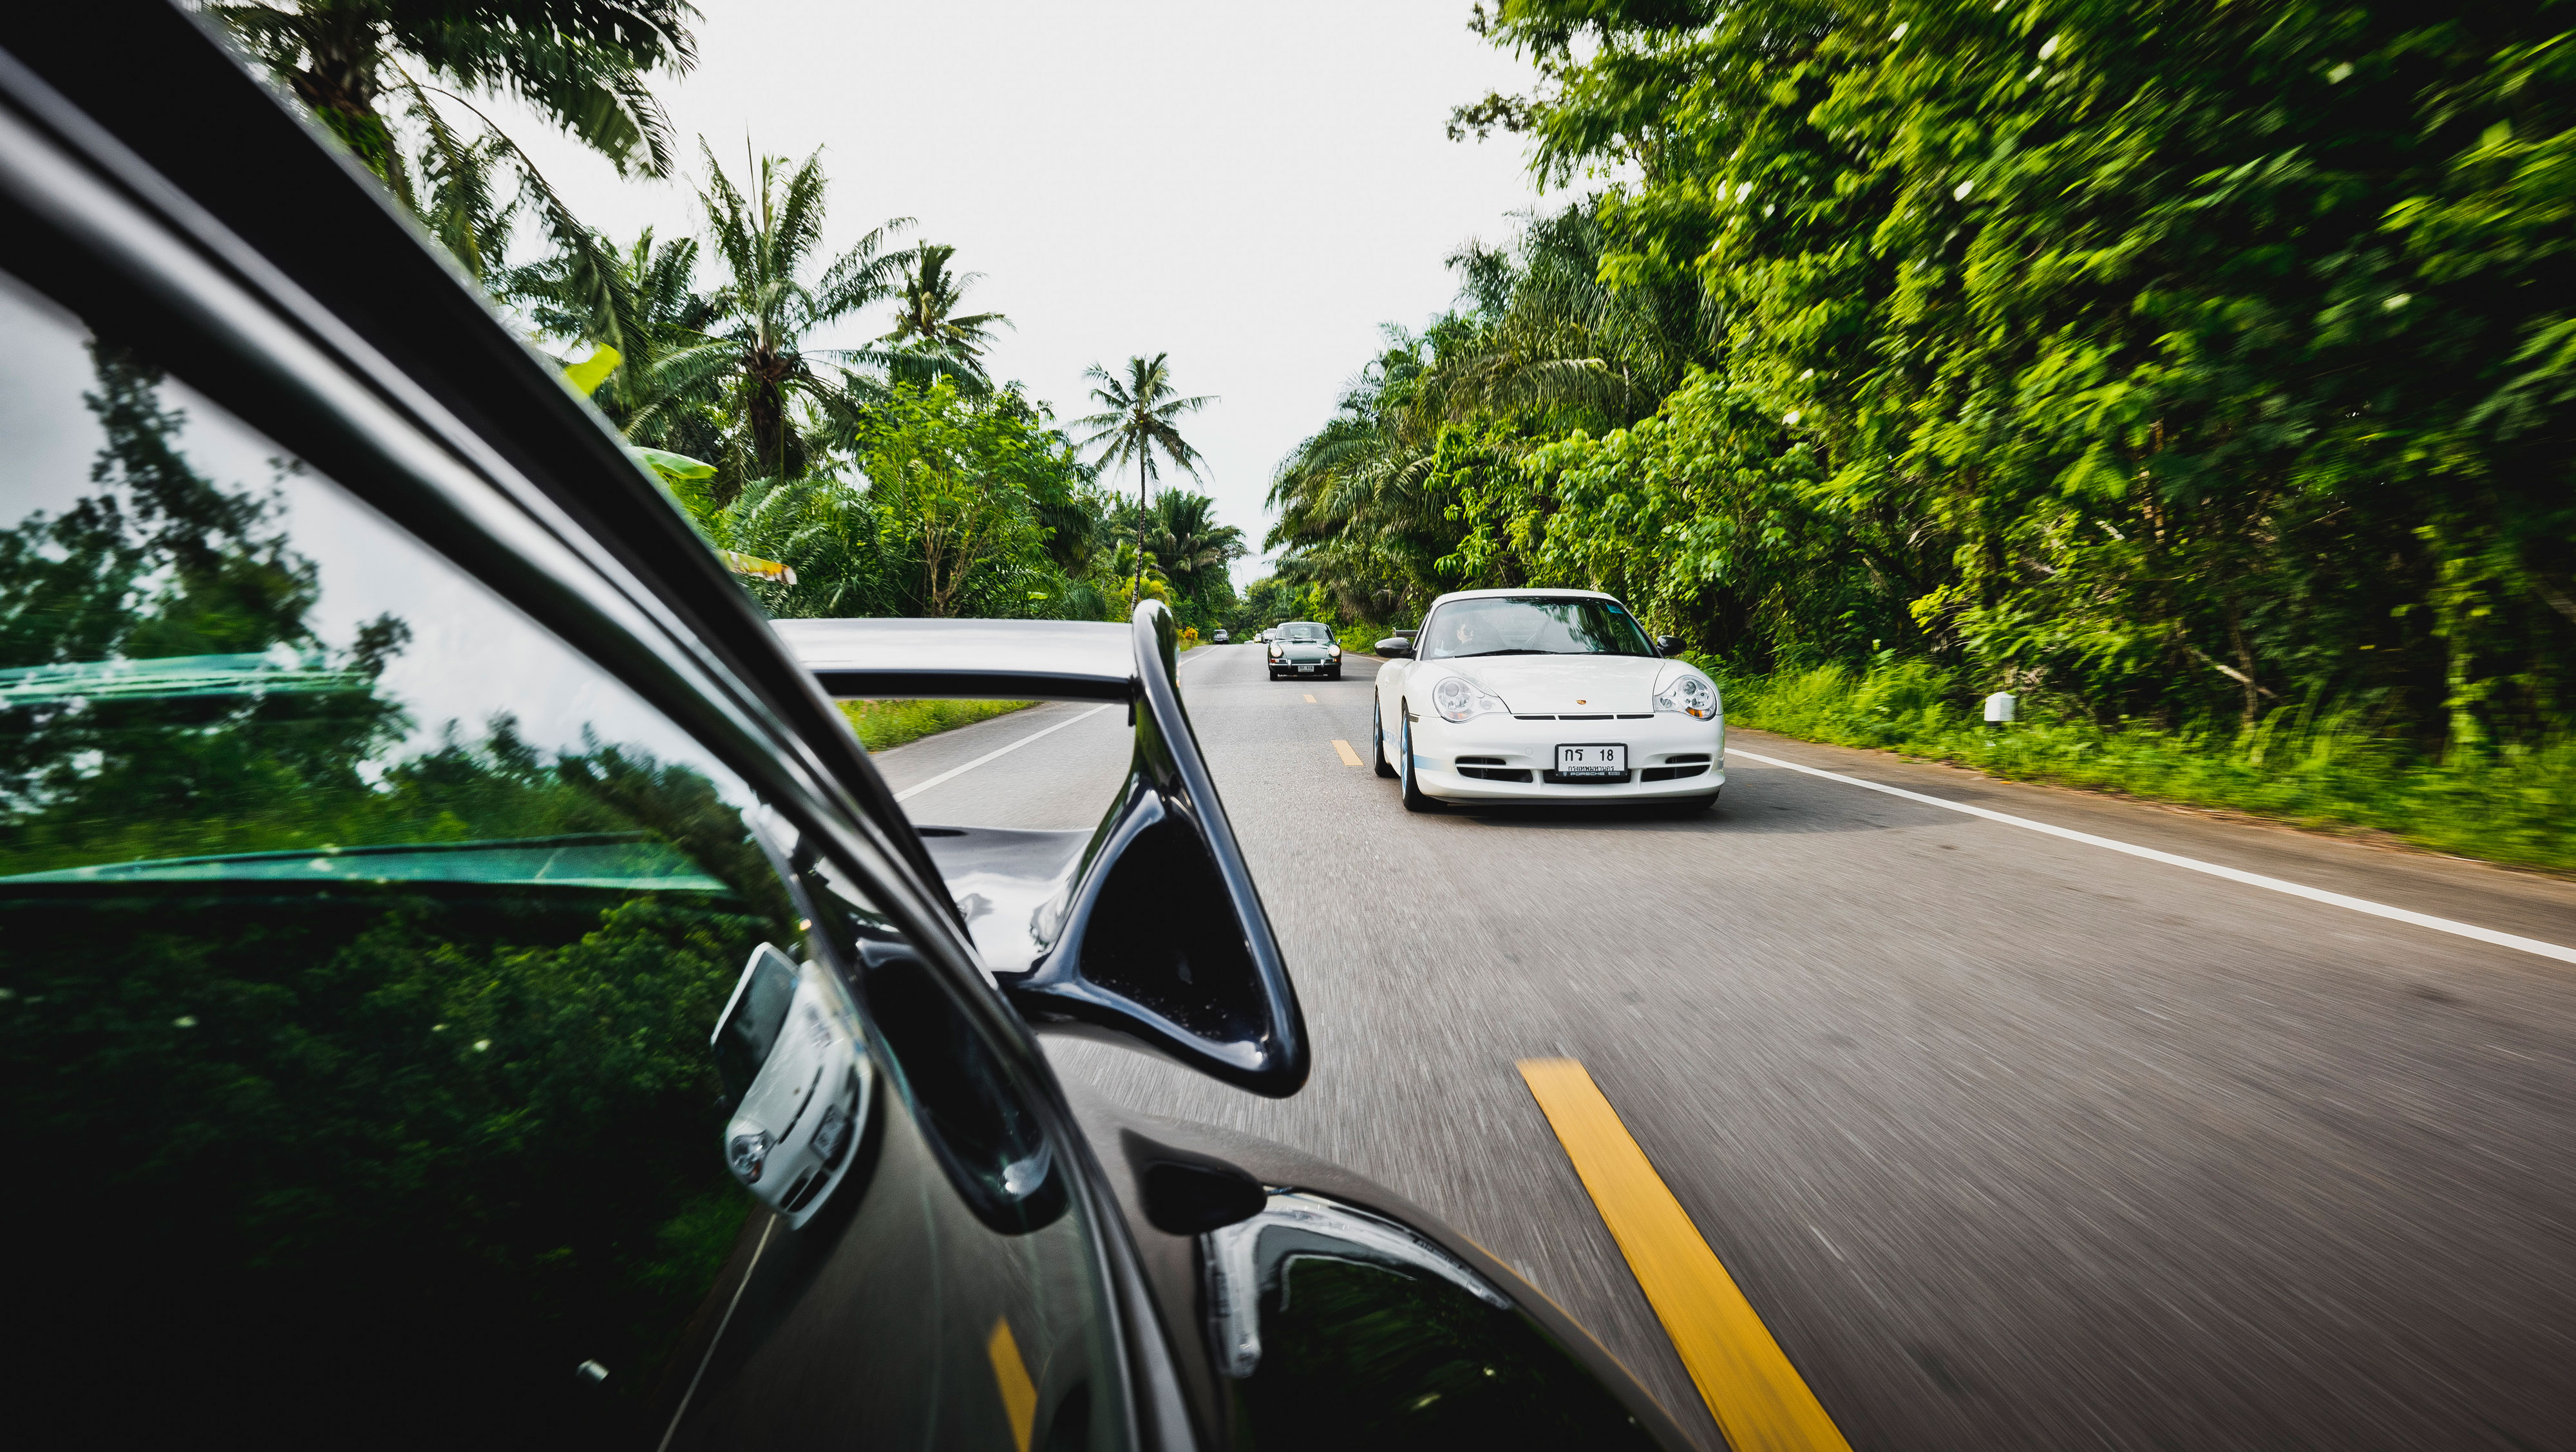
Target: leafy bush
1362	639
2314	768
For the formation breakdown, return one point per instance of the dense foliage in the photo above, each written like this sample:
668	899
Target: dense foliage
2171	362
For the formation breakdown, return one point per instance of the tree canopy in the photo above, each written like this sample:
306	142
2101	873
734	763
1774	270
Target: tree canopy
2173	361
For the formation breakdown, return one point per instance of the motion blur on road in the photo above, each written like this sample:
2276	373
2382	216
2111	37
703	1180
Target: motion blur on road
2011	1141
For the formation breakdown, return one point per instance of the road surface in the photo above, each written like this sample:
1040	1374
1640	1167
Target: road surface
2012	1141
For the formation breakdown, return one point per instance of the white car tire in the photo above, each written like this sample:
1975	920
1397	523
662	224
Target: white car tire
1377	739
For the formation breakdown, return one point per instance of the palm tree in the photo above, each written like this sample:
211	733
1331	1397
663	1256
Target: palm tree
1190	545
1140	415
1542	347
766	306
581	65
667	390
932	338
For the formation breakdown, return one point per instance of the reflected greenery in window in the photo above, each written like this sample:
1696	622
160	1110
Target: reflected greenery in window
382	1050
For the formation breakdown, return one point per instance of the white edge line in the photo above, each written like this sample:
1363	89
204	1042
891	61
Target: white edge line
2250	879
918	788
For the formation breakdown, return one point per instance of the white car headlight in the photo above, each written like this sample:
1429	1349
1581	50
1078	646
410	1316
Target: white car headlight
1689	692
1457	699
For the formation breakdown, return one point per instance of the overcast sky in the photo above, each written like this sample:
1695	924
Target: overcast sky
1252	189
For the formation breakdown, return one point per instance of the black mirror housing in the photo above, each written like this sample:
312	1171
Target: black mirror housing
1668	644
1394	647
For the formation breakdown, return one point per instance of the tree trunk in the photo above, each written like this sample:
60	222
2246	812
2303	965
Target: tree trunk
765	417
2244	669
339	84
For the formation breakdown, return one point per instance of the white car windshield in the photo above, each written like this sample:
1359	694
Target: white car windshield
1533	625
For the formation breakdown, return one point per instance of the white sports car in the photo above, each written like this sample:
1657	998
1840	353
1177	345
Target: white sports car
1544	696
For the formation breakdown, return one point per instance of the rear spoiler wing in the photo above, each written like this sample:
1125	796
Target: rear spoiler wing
975	660
1147	928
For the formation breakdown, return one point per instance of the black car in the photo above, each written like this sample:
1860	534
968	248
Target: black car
477	989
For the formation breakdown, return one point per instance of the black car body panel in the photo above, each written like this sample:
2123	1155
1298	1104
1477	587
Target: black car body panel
195	221
1165	1171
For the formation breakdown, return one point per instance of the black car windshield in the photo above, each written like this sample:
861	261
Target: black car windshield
1531	625
1311	634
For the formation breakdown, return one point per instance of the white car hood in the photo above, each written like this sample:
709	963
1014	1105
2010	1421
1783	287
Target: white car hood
1556	685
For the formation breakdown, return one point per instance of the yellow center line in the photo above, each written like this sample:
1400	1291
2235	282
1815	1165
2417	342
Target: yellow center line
1349	757
1310	698
1758	1398
1011	1375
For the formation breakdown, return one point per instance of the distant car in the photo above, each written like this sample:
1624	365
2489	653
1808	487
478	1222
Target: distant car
1544	696
1304	648
1221	638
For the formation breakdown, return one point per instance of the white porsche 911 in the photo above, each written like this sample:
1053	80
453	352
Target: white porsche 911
1544	696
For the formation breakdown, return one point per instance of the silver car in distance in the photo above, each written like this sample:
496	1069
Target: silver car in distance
1305	648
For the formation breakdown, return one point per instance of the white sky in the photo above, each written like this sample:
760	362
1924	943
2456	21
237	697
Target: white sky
1252	189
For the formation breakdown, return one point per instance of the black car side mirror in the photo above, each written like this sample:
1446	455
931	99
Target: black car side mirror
1668	645
1146	928
1394	647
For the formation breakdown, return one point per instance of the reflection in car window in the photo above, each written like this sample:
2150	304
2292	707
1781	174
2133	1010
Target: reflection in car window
1309	632
360	949
1533	625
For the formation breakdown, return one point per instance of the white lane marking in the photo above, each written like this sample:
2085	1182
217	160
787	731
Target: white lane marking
910	792
2250	879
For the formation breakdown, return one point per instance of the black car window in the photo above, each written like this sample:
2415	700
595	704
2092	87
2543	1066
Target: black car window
361	948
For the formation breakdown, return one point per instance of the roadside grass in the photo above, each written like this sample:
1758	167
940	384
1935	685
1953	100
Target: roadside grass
885	724
2316	769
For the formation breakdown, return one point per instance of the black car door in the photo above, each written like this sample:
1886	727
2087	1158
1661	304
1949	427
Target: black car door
377	871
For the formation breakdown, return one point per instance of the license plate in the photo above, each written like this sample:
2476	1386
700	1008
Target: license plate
1592	761
1305	668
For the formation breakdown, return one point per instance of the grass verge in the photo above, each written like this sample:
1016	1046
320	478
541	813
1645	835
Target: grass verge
2309	768
885	724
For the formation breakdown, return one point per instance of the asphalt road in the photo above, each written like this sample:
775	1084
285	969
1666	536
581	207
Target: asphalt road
2011	1141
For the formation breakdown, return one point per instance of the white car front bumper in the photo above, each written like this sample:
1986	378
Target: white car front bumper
1510	758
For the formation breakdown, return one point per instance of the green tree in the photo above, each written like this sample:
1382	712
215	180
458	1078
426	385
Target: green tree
668	388
1369	506
1140	417
931	339
581	64
1188	547
954	517
787	398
